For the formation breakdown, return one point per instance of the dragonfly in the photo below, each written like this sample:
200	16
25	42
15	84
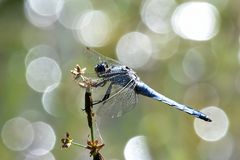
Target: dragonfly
123	87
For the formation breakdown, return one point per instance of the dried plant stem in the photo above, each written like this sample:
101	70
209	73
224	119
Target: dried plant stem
88	110
93	145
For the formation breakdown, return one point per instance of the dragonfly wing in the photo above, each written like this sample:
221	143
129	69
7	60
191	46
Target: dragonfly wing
123	97
88	58
94	57
121	100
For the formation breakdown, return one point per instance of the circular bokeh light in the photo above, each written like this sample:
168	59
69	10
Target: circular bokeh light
134	49
196	21
17	134
72	10
43	72
42	13
156	14
46	7
137	148
93	28
40	50
215	130
53	101
44	139
48	156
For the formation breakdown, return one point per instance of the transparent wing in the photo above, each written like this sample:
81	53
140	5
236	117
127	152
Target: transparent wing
93	53
121	100
101	91
89	57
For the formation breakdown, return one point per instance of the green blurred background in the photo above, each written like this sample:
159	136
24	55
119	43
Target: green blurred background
199	72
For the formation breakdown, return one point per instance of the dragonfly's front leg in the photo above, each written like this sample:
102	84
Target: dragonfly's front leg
98	83
106	96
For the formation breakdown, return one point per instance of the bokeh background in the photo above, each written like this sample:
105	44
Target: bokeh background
187	50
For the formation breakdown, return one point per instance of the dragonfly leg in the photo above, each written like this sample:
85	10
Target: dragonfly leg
106	96
108	92
99	83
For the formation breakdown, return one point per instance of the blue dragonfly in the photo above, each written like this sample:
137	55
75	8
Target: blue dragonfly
122	87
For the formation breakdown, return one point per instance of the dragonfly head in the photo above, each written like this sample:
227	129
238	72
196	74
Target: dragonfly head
101	68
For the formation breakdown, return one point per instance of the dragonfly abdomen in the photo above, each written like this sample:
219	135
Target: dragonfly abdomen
145	90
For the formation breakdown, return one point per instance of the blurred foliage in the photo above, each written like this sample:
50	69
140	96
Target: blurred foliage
170	133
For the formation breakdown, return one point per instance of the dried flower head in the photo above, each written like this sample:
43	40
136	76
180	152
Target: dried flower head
94	147
67	141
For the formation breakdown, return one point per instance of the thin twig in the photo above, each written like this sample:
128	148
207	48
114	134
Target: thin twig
88	110
93	145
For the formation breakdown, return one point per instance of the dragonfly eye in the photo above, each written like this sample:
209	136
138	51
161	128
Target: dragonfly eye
100	68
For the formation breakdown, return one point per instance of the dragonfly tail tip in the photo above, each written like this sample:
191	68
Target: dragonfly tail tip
209	120
206	119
